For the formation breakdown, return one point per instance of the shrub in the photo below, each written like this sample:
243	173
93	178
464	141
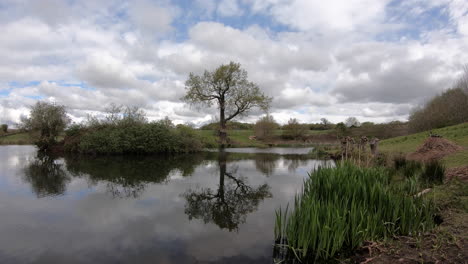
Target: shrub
340	208
4	128
265	128
155	137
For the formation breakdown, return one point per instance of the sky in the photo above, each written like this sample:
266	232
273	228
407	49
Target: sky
372	59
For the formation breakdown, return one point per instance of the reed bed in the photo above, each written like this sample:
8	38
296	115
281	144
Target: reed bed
340	208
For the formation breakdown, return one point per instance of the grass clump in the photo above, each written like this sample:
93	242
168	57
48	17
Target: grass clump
433	173
340	208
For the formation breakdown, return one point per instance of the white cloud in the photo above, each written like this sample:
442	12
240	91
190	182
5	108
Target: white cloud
333	59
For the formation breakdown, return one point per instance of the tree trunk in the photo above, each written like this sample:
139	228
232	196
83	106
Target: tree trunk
222	161
222	126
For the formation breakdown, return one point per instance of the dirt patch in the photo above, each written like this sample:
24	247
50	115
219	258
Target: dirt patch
460	173
434	148
446	244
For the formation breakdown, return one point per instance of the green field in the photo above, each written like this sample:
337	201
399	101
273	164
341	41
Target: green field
409	143
16	139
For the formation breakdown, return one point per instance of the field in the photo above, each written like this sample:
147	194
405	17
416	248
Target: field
409	143
16	139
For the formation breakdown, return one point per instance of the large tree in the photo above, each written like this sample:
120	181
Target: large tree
229	88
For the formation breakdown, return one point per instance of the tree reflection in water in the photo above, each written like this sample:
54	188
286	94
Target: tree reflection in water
230	204
47	175
128	176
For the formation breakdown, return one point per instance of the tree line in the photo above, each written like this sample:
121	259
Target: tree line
446	109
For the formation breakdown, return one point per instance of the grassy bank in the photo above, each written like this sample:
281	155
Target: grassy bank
409	143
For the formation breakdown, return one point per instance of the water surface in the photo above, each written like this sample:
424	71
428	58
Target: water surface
199	208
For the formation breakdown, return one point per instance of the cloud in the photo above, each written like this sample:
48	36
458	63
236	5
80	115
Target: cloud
365	58
152	17
325	16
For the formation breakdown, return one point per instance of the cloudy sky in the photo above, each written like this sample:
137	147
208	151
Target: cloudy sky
373	59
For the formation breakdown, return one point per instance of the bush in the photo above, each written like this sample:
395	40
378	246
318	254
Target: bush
265	128
156	137
340	208
4	128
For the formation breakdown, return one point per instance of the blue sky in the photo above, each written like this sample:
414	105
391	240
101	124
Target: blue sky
372	59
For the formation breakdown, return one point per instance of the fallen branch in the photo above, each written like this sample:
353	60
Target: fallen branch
423	192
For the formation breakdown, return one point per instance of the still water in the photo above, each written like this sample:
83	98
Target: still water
198	208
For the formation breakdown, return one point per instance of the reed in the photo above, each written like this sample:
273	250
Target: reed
433	173
340	208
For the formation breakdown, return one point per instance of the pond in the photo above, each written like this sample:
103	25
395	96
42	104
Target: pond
200	208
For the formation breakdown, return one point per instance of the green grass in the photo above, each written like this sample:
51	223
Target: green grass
409	143
16	139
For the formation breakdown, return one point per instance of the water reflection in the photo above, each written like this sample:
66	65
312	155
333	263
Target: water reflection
47	175
127	177
228	206
138	209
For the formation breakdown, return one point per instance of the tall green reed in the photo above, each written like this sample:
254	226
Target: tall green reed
340	208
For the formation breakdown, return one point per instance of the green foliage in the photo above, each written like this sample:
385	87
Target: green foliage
340	208
4	128
48	120
433	173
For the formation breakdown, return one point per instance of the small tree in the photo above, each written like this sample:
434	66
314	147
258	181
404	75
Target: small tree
352	122
46	122
265	127
325	123
294	130
4	128
228	87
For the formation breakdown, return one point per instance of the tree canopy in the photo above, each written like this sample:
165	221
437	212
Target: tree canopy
46	121
228	87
